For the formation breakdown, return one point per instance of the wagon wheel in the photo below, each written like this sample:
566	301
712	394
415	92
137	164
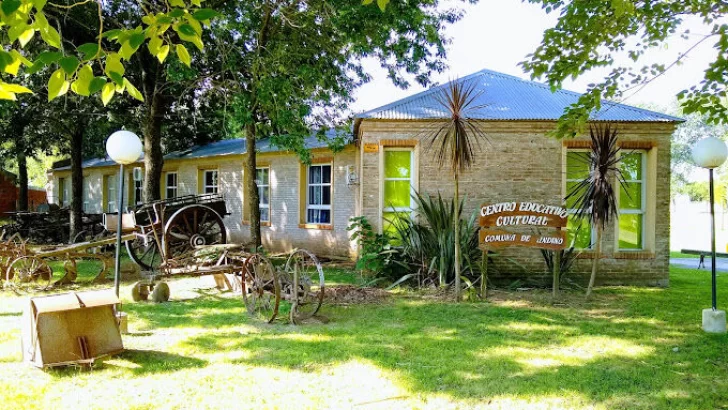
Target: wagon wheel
306	288
146	255
28	273
261	288
193	226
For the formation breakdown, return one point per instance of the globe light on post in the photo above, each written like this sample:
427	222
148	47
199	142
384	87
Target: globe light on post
711	153
124	148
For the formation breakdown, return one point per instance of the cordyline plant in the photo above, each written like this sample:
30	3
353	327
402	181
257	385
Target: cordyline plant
595	198
454	141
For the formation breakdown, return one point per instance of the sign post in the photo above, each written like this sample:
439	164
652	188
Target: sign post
496	219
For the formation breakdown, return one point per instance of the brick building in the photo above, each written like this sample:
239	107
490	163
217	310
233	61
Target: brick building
9	193
309	205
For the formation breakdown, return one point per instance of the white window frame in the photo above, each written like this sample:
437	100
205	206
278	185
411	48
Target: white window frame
412	180
261	186
85	192
174	187
138	189
572	211
643	205
64	192
330	184
214	188
111	181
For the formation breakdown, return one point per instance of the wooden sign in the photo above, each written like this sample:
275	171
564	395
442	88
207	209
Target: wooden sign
498	239
371	148
522	214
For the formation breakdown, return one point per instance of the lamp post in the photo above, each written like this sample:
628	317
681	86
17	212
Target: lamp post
711	153
124	148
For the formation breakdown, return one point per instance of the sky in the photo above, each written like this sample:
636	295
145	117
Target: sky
498	34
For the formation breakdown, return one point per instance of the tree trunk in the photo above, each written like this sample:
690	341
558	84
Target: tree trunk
597	255
76	183
22	182
557	274
156	108
456	220
251	190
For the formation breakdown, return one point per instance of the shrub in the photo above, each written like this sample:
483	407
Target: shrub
425	243
377	256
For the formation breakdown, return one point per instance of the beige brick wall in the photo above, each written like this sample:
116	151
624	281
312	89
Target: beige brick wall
284	232
520	163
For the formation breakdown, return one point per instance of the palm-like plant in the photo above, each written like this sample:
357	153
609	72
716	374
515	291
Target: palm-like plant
455	140
594	198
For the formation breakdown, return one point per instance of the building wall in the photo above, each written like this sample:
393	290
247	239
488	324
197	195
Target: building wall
285	231
520	163
8	194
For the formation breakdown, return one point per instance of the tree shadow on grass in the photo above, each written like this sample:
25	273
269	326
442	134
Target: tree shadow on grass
478	352
137	362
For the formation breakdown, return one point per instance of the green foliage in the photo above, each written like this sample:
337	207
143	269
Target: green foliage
590	34
377	256
425	243
20	20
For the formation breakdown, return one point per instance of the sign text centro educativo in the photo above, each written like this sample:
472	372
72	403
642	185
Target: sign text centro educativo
506	214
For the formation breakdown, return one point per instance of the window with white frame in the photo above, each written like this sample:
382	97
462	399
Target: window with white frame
318	198
111	193
64	192
632	201
398	186
577	169
210	181
138	184
262	180
86	204
171	185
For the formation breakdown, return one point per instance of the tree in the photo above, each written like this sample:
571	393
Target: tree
591	33
595	198
293	65
454	140
95	67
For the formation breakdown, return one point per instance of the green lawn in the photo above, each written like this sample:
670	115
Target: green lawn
678	254
627	348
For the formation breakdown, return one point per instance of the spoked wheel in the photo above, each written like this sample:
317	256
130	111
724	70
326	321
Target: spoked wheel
305	290
146	255
28	273
261	288
193	226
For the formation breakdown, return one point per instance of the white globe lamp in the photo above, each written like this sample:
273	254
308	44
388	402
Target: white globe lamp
124	148
711	153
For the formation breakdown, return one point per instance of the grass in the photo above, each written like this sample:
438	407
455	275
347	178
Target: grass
627	348
680	255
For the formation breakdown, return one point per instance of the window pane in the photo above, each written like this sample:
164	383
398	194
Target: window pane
397	164
391	219
171	192
326	195
263	195
261	176
397	194
264	214
314	174
631	166
631	197
577	165
579	233
630	231
571	200
326	174
319	216
315	195
171	180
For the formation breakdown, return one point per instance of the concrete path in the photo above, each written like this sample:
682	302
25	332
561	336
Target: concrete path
721	264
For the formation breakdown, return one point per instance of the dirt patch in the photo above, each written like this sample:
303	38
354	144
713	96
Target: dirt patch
350	294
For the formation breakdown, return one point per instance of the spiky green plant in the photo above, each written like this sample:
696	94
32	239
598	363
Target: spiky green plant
425	242
595	198
454	141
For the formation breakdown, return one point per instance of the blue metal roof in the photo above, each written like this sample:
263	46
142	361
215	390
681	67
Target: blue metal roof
219	148
502	97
